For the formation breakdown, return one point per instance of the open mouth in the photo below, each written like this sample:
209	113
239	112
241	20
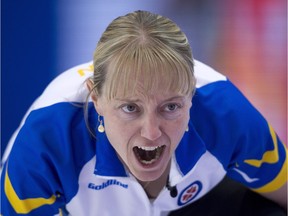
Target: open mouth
148	155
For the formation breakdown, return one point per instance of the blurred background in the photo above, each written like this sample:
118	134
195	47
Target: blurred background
245	40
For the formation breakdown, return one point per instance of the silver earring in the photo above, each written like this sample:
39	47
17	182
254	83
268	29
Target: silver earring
187	129
101	128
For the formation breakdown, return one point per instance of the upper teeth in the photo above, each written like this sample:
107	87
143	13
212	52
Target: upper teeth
148	148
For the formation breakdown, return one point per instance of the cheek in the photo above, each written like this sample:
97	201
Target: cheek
118	135
114	132
177	130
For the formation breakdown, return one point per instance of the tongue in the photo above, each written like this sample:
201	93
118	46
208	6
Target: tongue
146	155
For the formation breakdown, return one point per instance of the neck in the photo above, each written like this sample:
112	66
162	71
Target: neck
153	188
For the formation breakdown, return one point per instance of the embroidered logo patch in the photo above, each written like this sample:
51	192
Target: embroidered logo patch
189	193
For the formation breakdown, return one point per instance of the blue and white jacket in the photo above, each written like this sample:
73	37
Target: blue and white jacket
53	166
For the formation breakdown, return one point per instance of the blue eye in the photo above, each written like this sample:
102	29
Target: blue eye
171	107
130	108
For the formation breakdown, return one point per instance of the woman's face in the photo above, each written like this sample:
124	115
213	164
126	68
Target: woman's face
145	129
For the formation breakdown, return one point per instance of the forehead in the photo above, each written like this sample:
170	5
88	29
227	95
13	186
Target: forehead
143	83
136	91
126	76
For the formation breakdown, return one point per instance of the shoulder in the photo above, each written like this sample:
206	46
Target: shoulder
58	131
220	99
205	74
59	111
68	86
60	102
222	115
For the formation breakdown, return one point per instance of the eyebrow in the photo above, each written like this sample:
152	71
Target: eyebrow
175	98
138	100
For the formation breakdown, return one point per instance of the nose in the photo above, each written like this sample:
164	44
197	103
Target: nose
151	129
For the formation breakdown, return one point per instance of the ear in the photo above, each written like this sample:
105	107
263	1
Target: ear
95	98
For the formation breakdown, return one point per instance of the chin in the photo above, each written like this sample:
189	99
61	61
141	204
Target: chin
146	176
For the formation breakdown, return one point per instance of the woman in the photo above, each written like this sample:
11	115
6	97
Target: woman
159	140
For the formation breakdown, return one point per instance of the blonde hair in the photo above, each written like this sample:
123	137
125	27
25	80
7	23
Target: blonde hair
146	47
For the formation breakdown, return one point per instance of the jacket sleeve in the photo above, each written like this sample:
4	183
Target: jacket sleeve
41	173
29	183
239	136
